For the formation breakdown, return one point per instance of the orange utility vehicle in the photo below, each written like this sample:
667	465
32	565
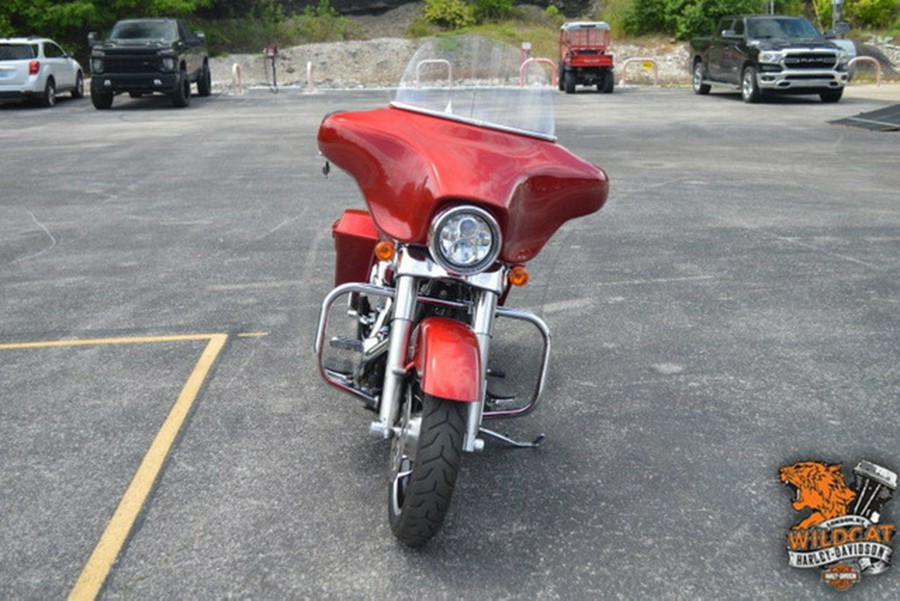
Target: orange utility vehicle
584	57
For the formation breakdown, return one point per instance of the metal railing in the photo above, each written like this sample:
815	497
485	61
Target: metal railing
644	64
530	61
868	59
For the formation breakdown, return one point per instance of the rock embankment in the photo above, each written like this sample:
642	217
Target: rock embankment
380	63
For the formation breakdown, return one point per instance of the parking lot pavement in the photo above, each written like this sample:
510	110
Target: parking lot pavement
733	309
887	92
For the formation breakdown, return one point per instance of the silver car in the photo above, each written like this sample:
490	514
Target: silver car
36	70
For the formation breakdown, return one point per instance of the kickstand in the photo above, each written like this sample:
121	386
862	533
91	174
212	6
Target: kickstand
521	445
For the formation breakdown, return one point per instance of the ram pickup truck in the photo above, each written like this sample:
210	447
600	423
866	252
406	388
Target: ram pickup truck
146	56
766	54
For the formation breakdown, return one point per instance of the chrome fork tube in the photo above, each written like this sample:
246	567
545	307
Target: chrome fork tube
395	370
482	322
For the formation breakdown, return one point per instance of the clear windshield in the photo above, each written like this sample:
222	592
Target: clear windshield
786	28
481	81
163	31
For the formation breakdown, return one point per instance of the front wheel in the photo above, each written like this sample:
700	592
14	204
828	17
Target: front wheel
426	454
832	95
181	97
101	100
204	82
749	86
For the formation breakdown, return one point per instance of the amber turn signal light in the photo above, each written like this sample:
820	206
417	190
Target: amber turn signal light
518	276
384	250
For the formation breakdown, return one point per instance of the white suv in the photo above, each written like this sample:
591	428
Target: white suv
36	69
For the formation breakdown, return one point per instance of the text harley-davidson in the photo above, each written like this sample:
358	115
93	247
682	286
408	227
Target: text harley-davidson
464	184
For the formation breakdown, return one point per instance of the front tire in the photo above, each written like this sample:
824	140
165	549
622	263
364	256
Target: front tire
101	100
181	97
832	95
204	82
425	460
750	91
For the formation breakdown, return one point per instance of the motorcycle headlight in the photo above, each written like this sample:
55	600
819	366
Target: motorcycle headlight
464	240
770	57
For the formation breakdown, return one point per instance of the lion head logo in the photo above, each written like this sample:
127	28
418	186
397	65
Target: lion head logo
817	486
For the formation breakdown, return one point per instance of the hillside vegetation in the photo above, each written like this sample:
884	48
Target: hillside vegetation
245	25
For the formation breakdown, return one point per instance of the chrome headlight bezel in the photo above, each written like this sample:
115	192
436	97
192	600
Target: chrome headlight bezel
771	56
440	233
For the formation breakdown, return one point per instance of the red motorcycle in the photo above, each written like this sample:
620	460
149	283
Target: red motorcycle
464	183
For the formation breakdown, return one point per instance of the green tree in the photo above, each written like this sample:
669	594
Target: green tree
69	20
453	14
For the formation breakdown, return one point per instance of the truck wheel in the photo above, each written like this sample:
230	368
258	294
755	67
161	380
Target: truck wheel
560	74
181	97
698	75
749	86
609	82
101	100
569	82
832	95
204	82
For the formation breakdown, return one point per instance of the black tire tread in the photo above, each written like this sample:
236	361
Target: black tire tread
438	459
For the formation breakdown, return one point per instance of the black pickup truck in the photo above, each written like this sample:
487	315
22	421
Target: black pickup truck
766	54
146	56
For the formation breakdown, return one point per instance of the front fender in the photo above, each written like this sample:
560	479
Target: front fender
447	360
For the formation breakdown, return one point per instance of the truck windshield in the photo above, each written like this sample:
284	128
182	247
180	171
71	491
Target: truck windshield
781	28
164	31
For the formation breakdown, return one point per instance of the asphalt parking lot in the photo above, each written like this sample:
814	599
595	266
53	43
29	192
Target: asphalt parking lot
164	434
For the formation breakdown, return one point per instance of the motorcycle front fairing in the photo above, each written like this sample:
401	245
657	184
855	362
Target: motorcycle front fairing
409	165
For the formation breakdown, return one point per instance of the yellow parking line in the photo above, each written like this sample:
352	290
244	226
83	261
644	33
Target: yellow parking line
119	340
98	565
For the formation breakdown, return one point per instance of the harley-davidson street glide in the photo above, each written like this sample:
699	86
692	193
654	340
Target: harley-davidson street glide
464	183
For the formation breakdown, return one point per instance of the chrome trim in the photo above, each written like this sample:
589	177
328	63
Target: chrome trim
545	361
809	78
425	267
329	376
482	324
434	239
395	369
